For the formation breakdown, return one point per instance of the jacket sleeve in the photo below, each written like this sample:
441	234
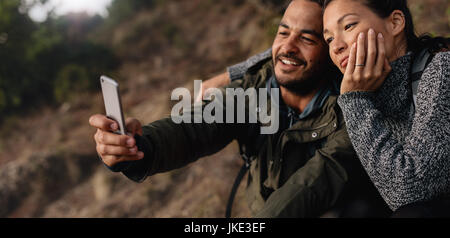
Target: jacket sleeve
168	145
316	186
237	71
419	168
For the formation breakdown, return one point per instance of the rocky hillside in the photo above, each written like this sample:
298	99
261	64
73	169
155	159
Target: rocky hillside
48	163
50	168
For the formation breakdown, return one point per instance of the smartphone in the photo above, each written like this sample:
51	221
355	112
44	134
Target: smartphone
113	104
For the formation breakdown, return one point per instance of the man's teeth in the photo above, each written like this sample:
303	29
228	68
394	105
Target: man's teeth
289	62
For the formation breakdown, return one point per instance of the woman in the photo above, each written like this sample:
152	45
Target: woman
404	147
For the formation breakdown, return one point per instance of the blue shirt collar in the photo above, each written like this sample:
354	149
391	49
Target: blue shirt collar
315	104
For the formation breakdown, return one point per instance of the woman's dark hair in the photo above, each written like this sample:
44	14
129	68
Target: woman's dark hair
384	8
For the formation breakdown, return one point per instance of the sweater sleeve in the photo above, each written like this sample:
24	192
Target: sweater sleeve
418	169
237	71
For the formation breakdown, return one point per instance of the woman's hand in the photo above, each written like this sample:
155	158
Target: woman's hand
366	71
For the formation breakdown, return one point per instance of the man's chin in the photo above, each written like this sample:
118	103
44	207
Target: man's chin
287	78
299	84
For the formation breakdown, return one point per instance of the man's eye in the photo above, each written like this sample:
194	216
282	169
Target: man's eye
307	39
350	25
283	33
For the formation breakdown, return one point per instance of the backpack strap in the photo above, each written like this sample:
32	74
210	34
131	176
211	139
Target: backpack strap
238	180
247	152
420	62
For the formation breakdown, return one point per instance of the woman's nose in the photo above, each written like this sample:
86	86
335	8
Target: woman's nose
338	46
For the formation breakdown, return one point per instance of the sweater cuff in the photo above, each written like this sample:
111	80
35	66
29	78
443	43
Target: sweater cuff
353	104
237	71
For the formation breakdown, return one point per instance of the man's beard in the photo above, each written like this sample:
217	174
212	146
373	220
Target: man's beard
310	80
301	86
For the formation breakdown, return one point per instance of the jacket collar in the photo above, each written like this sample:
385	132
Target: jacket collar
288	116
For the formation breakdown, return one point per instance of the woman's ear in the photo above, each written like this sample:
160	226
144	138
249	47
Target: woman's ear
396	22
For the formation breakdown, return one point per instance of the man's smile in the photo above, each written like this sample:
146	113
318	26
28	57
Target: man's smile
290	63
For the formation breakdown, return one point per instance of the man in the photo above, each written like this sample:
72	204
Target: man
303	170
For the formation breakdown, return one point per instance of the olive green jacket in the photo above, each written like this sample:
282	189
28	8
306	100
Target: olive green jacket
299	172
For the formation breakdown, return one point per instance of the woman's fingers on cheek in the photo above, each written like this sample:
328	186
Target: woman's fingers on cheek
381	58
351	61
371	49
361	51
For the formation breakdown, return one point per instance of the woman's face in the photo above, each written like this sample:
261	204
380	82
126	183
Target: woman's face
343	21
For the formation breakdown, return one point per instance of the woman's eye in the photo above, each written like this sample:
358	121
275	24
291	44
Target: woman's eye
329	40
350	25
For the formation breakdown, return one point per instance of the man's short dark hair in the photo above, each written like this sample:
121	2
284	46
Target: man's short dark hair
287	3
320	2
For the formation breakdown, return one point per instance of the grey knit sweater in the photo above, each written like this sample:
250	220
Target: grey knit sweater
406	152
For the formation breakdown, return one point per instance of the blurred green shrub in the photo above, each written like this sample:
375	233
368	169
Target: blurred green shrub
122	9
42	63
70	80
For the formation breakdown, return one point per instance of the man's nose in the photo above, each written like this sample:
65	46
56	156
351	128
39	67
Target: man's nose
290	45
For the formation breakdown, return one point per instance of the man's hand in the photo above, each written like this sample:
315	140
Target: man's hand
114	148
214	82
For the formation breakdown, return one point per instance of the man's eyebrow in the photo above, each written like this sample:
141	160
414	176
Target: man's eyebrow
282	24
340	20
304	31
311	32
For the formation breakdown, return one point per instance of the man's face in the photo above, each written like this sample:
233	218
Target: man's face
299	49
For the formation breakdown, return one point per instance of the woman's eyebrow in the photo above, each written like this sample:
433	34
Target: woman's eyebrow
346	15
339	21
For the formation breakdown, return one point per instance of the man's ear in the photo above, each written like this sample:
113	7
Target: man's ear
396	22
